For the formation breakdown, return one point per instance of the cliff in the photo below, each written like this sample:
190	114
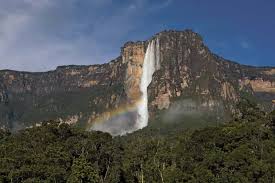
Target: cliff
190	76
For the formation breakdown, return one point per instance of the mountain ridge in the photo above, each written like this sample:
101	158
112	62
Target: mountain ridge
80	94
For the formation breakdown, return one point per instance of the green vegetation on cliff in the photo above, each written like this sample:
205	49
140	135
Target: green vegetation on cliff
240	151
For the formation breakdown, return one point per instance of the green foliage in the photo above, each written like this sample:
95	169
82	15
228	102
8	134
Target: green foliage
240	151
4	133
83	171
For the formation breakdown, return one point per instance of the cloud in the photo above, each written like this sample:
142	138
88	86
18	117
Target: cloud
160	5
38	35
244	44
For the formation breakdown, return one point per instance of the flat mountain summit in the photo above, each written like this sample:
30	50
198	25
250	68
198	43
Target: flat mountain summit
190	80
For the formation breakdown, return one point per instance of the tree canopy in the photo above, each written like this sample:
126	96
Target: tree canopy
240	151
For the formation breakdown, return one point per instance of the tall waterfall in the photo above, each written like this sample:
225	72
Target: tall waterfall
150	65
127	119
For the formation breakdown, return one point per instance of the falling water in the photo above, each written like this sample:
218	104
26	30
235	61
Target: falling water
129	119
150	65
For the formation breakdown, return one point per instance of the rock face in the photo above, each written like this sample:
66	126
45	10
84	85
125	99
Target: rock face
81	94
133	55
190	71
260	85
68	91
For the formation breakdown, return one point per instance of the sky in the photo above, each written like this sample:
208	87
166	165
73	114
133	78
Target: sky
39	35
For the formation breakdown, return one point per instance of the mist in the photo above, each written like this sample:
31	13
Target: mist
181	111
118	125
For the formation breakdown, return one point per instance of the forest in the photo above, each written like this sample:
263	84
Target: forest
242	150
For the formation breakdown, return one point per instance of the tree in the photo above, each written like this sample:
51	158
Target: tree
83	171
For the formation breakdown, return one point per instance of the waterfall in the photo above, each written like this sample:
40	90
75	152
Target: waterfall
127	119
150	65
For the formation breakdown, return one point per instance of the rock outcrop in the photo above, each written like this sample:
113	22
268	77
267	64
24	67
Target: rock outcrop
81	94
133	55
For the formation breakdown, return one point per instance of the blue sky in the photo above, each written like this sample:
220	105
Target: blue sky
38	35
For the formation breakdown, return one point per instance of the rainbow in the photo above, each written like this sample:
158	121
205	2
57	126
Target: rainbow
150	65
109	115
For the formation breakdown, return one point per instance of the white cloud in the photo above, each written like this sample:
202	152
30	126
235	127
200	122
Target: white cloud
244	44
38	35
161	5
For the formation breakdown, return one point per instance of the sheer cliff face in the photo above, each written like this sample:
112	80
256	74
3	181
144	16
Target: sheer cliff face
188	69
80	94
133	55
69	92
